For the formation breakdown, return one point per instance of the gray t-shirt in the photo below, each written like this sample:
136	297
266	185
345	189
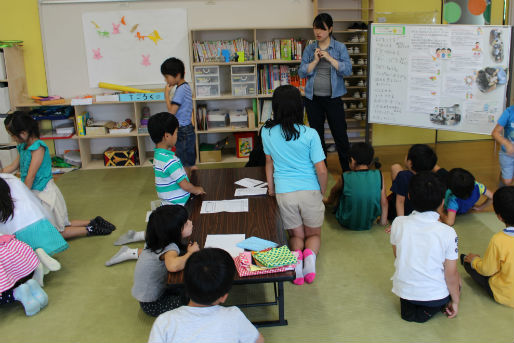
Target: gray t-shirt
212	324
322	82
151	274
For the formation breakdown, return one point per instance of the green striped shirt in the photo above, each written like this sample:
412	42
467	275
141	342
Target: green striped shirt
168	174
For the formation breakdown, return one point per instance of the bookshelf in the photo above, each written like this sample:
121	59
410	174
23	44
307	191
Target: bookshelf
345	13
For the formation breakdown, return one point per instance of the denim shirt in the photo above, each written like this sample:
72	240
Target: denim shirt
338	51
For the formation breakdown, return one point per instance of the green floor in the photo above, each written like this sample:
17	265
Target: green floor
351	299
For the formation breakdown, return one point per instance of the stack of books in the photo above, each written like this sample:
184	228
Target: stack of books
211	51
271	76
281	49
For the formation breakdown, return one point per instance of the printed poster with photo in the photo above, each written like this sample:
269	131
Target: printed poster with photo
128	47
448	77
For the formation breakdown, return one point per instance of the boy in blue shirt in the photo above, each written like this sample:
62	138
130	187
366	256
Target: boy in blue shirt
181	105
462	195
503	133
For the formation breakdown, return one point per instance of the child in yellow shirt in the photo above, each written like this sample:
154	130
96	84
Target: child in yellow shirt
495	271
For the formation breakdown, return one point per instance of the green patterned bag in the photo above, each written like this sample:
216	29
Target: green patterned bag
275	257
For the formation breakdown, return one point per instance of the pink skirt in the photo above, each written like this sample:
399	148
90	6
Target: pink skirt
17	260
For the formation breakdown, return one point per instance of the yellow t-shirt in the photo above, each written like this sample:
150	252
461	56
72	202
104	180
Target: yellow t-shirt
498	263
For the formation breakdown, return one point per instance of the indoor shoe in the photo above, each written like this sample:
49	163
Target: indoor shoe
97	230
37	292
99	221
361	83
356	50
30	304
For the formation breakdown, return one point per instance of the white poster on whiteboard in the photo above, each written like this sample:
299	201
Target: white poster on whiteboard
447	77
128	47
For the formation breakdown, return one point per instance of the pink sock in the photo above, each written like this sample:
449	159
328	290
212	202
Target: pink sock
299	269
309	265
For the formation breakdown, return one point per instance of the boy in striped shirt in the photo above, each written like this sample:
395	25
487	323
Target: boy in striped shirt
171	181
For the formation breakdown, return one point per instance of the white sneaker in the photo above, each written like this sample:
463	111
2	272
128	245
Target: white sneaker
344	106
364	95
360	72
362	39
360	83
352	61
355	39
353	106
350	50
360	61
356	50
347	84
357	116
361	105
331	148
356	95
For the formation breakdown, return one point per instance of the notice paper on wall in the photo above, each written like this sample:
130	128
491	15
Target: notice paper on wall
243	192
239	205
226	242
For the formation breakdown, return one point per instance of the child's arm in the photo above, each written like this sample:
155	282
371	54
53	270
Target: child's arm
489	264
260	339
394	250
384	204
189	187
172	108
35	163
448	217
269	175
321	171
13	166
400	205
451	276
498	137
335	193
174	262
486	203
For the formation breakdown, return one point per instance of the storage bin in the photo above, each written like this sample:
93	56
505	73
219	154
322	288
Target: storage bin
216	119
207	90
245	69
243	80
213	70
207	80
5	103
238	118
244	143
242	89
121	156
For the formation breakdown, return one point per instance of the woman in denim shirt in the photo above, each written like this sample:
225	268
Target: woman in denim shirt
324	63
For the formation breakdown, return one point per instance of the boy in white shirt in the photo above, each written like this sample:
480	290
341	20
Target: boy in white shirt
208	276
426	277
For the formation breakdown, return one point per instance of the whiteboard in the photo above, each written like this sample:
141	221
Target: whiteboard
127	47
446	77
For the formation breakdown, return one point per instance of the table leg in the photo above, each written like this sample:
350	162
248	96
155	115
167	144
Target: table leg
279	300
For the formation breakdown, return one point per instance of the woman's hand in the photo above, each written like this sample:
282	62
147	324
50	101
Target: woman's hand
317	54
325	55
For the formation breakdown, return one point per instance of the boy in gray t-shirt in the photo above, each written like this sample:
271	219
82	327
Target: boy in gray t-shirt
208	277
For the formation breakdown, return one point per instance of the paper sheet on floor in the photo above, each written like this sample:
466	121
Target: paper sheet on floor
226	242
243	192
249	183
238	205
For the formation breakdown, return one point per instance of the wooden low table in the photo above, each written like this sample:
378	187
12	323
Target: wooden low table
262	220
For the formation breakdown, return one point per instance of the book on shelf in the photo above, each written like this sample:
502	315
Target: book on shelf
266	111
273	76
280	49
211	51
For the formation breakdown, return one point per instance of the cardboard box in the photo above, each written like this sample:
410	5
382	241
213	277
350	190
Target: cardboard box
121	156
210	156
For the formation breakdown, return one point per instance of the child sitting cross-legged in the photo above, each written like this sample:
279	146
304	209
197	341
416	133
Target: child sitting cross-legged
495	271
360	193
208	276
462	195
426	277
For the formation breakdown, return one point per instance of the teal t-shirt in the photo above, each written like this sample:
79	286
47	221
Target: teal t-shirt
293	160
44	173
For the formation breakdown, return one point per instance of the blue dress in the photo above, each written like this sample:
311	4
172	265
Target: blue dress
44	173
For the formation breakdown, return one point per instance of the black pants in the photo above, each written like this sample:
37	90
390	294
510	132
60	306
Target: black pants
7	296
321	107
421	311
170	300
483	281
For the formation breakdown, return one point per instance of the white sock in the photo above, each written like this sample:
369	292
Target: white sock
124	254
39	274
130	237
298	269
47	261
309	265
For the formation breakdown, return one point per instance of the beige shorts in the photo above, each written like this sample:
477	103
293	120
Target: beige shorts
301	208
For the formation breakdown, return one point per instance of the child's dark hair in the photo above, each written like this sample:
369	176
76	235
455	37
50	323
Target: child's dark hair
161	123
6	202
208	275
422	157
323	21
426	193
287	111
363	154
165	227
18	121
461	183
503	204
173	66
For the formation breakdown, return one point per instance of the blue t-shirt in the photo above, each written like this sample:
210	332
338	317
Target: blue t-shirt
400	186
183	97
507	121
460	206
44	173
293	160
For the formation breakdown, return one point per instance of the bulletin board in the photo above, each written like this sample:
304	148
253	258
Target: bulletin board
446	77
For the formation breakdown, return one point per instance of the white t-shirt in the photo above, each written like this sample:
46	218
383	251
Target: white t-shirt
211	324
28	209
422	245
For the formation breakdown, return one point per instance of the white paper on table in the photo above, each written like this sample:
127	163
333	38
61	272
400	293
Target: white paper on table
248	183
238	205
242	192
226	242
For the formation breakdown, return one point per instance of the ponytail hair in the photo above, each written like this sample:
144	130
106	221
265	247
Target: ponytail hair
6	202
19	121
287	111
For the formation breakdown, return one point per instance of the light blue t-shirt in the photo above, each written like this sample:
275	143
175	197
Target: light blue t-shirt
183	97
293	160
507	121
44	173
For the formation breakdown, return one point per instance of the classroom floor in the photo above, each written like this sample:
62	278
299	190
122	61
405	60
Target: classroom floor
350	300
